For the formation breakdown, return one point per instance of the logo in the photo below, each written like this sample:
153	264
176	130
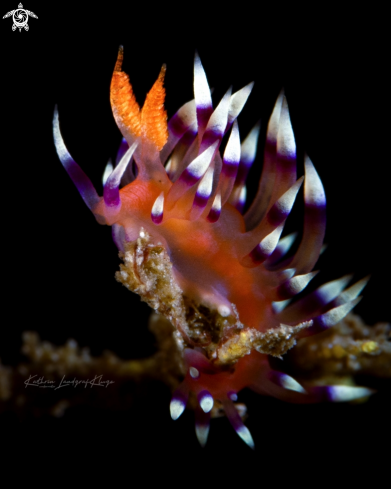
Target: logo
20	17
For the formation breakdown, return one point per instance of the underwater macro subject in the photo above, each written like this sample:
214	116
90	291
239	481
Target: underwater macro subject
220	276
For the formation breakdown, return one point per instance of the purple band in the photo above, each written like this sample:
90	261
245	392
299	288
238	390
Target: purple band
257	255
213	215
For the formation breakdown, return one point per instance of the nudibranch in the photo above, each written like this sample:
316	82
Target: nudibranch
222	276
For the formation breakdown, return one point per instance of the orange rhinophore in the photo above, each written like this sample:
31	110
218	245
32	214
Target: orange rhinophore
153	115
123	102
151	122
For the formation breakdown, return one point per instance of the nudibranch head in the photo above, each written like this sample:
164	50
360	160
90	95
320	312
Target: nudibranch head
223	277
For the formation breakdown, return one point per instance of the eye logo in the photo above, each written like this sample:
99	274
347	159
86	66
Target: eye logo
20	17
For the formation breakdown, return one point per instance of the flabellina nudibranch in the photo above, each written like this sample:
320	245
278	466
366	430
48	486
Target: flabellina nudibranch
223	277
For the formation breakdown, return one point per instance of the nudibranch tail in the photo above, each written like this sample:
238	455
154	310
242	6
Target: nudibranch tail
223	278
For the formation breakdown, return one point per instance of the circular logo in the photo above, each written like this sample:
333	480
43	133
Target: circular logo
20	18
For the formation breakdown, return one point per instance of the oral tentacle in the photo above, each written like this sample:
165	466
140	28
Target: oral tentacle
111	194
128	176
107	171
79	178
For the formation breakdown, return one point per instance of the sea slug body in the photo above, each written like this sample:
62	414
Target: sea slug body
223	277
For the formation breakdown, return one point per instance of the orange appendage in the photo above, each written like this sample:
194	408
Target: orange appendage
123	102
151	122
153	115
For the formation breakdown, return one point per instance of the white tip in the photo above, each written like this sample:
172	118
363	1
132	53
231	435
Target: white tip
285	203
353	291
335	315
205	186
237	101
249	145
269	243
343	393
286	145
272	128
300	282
331	290
218	120
116	175
313	188
107	172
168	164
194	373
243	195
216	206
177	406
286	242
279	306
291	384
157	208
201	86
245	435
232	150
202	432
199	165
58	140
206	402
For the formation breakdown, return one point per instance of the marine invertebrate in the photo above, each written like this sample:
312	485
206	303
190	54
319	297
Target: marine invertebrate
222	277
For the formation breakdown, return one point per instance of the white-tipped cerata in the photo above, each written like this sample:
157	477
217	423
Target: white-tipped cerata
157	209
206	401
107	172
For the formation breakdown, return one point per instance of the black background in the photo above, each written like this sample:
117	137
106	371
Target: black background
59	264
